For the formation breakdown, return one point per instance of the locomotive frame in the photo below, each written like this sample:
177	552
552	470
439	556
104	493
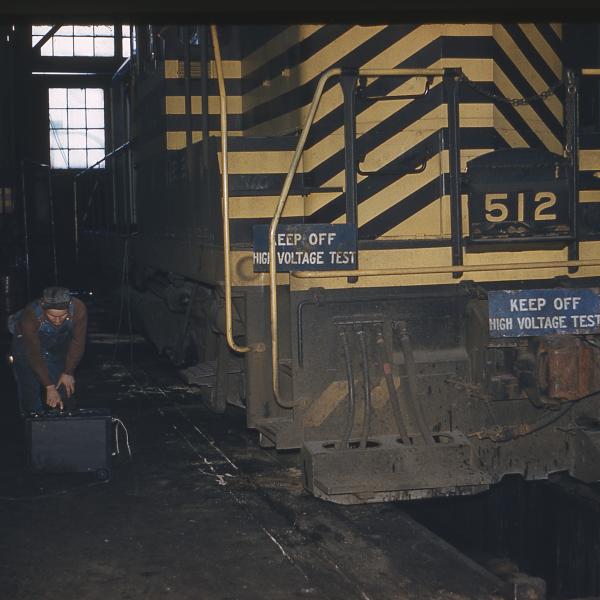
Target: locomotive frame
448	406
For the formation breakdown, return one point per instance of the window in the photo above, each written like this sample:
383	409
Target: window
76	40
127	31
76	127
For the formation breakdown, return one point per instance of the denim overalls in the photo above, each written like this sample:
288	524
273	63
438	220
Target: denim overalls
54	344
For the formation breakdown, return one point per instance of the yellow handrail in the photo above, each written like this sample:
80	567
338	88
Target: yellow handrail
284	195
225	196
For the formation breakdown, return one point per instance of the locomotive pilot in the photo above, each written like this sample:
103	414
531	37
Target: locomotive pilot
48	343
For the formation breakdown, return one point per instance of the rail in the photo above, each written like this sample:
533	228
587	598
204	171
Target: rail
285	192
447	269
225	196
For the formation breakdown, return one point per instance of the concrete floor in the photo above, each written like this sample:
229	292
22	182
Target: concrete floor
200	511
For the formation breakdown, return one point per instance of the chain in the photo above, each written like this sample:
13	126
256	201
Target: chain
512	101
569	109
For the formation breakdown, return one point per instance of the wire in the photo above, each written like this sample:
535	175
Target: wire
508	433
118	423
351	400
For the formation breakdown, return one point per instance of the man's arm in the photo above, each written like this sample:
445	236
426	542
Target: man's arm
77	345
29	328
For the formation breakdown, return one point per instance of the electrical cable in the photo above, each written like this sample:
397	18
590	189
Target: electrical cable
393	394
118	423
351	392
367	404
508	433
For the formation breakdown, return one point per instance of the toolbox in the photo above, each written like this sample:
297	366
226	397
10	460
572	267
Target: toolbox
77	441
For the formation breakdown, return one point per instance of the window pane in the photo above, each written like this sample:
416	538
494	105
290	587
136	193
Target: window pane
125	30
77	159
76	98
126	48
104	30
57	98
104	46
40	30
58	159
63	46
58	138
84	46
76	117
58	118
46	49
94	98
77	138
95	118
95	138
83	30
95	156
65	30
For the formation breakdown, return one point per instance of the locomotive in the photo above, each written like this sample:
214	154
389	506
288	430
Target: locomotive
382	241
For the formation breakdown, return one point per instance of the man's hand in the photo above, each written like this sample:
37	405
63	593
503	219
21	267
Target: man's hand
53	398
68	381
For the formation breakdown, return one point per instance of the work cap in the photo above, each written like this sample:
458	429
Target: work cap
56	297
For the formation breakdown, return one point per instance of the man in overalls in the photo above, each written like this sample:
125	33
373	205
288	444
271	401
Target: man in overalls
48	343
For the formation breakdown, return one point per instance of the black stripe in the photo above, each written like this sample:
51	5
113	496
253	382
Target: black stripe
402	210
470	138
302	95
373	138
525	89
550	36
384	130
293	56
589	141
536	60
255	36
519	124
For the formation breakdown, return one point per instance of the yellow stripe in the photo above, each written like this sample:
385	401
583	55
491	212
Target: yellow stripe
313	66
543	47
390	57
589	160
277	45
176	140
557	27
259	207
589	196
265	161
523	65
506	88
506	130
471	115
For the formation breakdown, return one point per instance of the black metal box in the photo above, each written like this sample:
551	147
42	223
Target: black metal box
78	441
